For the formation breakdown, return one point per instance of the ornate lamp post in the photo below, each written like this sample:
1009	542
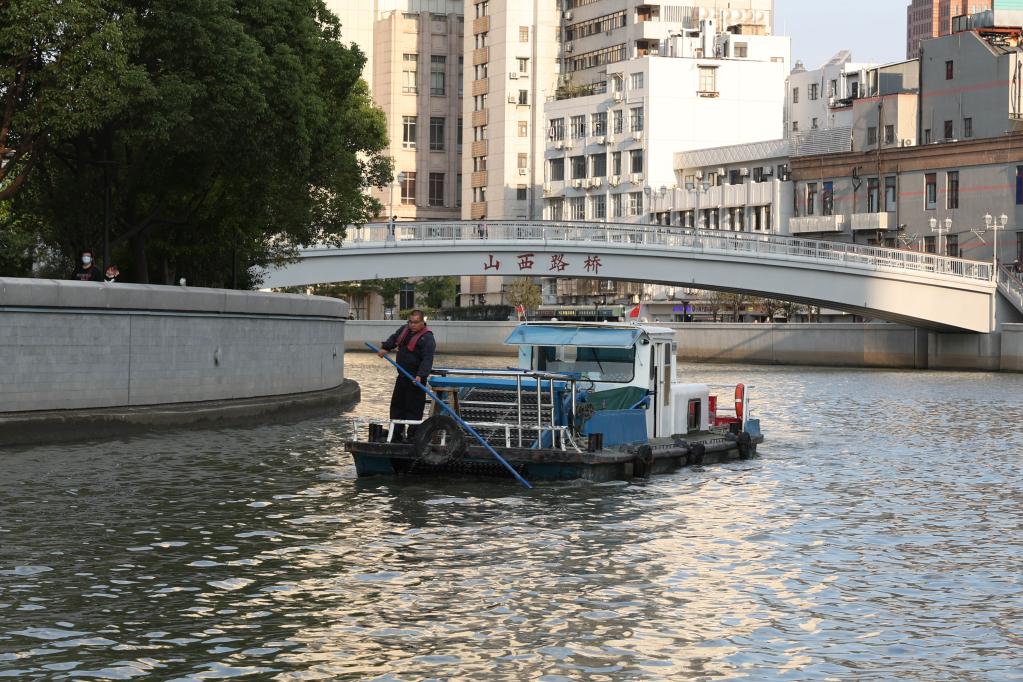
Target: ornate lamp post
994	225
942	228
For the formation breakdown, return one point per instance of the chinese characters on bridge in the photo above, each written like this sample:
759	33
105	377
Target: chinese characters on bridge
557	263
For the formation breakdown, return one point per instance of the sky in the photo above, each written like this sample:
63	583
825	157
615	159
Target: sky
874	30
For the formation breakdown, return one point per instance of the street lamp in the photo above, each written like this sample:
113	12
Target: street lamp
992	224
942	228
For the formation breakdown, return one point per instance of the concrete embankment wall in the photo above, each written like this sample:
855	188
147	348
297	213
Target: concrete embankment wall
68	345
840	345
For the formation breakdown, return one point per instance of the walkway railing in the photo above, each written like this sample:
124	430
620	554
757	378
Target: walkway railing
749	244
1011	287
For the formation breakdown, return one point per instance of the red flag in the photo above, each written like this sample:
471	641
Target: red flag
634	312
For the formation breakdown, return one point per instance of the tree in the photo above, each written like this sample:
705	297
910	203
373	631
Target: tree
248	135
734	302
64	70
524	292
437	290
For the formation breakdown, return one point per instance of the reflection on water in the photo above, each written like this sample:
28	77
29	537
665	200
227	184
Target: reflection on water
877	537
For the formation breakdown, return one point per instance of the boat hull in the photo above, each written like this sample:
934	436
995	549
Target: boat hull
547	464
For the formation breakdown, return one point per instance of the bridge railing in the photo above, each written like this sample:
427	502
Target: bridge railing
1011	287
749	244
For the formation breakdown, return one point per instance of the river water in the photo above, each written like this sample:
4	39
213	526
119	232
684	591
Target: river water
876	537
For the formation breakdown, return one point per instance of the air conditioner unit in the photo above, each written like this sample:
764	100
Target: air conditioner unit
512	99
547	188
587	183
721	171
618	96
636	178
831	101
568	47
600	139
768	172
514	75
615	180
569	143
522	171
744	172
907	143
559	144
568	16
577	183
596	182
610	139
699	175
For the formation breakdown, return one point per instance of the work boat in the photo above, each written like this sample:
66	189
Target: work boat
592	401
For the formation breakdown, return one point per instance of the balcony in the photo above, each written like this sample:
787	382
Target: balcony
874	221
817	223
480	87
480	118
481	25
480	56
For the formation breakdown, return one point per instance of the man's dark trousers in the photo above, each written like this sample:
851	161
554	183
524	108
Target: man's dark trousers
407	402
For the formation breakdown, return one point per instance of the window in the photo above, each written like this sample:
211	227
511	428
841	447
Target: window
968	127
479	163
949	70
598	207
409	73
616	163
952	189
795	126
636	81
930	191
481	40
617	82
813	92
461	72
952	246
523	129
927	136
949	130
598	165
523	65
833	88
479	133
577	208
577	127
482	9
1019	185
708	79
636	161
616	205
521	193
636	119
437	126
929	244
889	134
458	135
873	200
734	177
635	203
556	168
890	195
871	135
854	89
524	97
407	296
811	198
407	180
598	123
438	75
479	72
578	167
828	198
408	132
436	189
557	129
458	190
741	50
523	34
556	208
523	161
795	95
618	121
813	123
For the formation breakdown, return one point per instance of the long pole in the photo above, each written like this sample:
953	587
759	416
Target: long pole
461	422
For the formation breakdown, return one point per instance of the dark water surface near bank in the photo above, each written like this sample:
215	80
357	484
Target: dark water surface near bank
877	537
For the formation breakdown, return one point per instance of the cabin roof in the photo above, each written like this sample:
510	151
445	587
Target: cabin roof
585	334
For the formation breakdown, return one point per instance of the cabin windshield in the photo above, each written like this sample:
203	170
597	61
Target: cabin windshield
615	365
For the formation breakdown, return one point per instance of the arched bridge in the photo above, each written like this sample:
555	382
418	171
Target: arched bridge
919	289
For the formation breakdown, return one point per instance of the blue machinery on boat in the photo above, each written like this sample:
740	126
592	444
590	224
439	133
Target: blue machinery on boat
461	422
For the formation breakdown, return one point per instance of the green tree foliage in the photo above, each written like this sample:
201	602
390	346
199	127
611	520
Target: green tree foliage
436	291
244	132
525	292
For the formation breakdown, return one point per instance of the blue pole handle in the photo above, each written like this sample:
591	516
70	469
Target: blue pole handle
461	422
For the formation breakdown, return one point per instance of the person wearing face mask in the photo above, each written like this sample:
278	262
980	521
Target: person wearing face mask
86	270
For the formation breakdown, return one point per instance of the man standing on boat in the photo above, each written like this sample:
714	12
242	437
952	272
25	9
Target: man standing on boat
415	345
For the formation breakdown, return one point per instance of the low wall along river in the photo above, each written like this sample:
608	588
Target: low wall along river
161	354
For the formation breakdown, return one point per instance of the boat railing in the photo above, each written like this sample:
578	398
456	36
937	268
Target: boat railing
524	416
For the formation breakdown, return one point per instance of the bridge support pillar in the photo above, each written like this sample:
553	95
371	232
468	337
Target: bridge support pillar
965	351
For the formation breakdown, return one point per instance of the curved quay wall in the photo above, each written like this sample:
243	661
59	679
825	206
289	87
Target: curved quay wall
69	346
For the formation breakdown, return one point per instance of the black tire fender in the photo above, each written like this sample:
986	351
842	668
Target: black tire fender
696	452
745	443
644	462
436	454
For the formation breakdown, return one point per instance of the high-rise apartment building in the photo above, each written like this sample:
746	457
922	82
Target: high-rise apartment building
932	18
